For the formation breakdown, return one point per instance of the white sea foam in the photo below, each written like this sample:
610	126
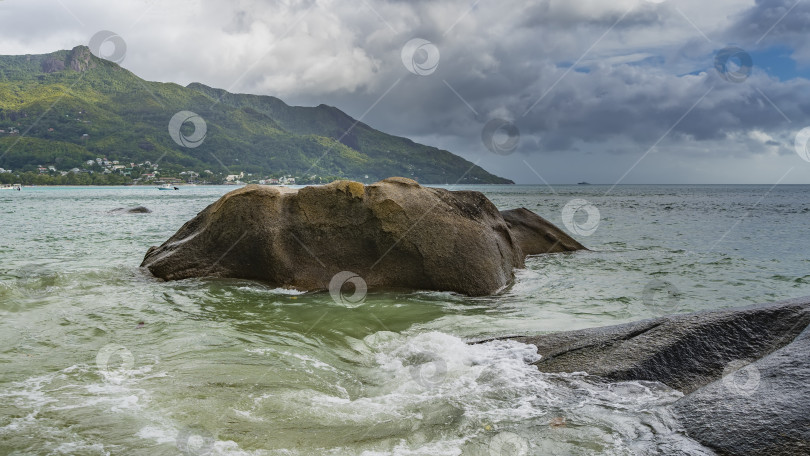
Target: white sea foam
408	394
272	291
420	389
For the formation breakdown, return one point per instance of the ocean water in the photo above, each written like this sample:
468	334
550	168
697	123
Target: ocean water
100	358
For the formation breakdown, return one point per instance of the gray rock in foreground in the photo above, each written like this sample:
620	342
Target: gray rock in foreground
761	409
747	371
684	352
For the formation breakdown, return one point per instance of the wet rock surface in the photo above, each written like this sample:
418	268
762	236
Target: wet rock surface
536	235
746	371
393	234
683	351
756	409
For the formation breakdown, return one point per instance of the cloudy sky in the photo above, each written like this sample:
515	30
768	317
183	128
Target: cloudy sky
604	91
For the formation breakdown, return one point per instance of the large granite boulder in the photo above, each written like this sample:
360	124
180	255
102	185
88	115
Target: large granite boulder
684	352
393	234
536	235
762	408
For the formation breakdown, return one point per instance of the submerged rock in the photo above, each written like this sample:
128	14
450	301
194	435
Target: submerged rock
684	352
131	210
393	234
536	235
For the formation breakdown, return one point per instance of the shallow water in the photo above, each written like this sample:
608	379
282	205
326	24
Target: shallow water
100	358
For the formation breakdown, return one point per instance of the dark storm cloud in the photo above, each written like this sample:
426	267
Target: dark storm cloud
566	15
774	22
597	103
505	76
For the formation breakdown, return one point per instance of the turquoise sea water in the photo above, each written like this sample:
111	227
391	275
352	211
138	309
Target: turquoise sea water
100	358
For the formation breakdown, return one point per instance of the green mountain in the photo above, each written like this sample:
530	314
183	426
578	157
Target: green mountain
68	107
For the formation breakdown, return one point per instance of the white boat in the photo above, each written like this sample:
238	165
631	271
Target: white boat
17	187
168	187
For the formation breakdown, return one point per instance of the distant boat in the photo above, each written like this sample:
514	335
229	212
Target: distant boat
168	187
17	187
583	183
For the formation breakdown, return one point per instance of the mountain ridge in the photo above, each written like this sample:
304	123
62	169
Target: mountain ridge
69	107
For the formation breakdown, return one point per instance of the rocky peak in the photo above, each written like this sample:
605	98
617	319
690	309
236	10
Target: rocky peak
80	59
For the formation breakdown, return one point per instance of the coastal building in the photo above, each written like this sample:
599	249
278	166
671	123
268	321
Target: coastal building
234	177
